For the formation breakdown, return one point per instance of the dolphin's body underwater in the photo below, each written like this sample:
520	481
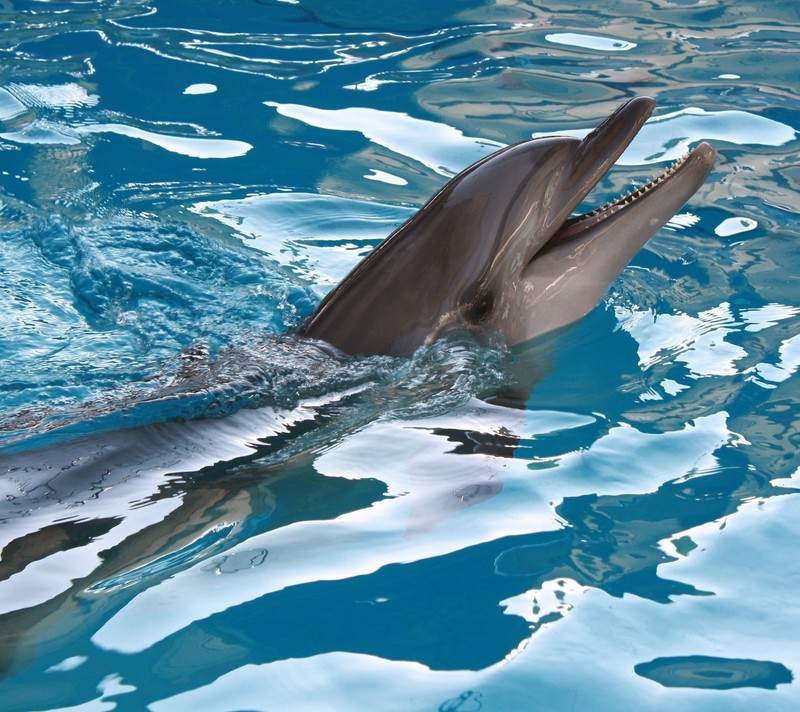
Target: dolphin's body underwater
497	251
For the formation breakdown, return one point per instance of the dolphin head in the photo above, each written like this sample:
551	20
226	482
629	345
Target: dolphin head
498	249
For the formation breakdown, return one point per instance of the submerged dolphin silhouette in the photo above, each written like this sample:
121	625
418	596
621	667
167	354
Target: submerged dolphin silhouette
497	251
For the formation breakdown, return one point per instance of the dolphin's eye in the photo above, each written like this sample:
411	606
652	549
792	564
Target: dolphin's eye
480	307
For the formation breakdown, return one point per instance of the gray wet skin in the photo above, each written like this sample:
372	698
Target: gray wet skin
497	251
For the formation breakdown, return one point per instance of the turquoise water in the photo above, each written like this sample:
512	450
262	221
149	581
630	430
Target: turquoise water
201	512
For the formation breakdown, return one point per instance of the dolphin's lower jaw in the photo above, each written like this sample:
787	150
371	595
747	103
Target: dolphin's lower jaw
497	249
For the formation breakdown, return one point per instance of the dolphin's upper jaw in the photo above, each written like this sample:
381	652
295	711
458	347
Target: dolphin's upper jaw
595	155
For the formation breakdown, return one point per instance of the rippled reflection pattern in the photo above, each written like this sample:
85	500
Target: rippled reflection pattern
200	511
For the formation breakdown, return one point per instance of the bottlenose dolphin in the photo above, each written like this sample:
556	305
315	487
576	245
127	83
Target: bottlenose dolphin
497	250
494	251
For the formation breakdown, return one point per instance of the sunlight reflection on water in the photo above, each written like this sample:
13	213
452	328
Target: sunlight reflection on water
179	188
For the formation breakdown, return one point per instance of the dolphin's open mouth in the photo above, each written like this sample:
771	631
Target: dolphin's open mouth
687	169
576	225
611	207
593	157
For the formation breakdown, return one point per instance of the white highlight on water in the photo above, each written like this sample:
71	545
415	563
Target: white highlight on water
384	177
200	89
734	226
602	44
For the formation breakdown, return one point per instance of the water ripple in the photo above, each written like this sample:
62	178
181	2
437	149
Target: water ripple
178	188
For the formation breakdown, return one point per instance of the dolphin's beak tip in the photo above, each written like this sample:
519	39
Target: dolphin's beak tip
707	149
705	154
638	106
644	101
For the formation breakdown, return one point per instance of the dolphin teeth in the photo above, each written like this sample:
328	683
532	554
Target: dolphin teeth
634	194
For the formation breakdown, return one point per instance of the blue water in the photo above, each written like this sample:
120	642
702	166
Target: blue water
201	512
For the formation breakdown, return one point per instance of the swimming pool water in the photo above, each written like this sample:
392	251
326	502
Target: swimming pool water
200	511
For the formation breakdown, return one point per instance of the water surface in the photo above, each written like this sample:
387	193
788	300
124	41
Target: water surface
201	512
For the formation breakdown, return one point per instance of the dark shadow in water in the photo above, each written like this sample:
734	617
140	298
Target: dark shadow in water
219	507
49	540
707	673
544	446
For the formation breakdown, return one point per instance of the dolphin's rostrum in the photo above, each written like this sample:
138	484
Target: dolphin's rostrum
498	249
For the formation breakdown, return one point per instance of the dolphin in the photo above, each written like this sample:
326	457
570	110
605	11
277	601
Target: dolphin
498	249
